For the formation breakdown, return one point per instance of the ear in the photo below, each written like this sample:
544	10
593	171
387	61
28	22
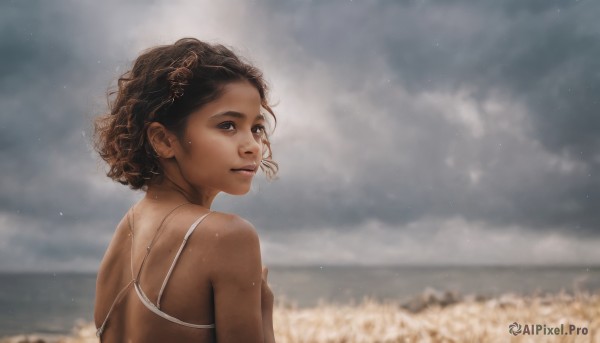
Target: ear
162	140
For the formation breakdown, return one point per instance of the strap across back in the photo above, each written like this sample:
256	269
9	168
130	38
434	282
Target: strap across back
135	278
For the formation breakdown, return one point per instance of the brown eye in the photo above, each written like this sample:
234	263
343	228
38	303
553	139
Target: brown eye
225	125
261	128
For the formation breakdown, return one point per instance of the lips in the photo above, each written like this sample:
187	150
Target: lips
250	168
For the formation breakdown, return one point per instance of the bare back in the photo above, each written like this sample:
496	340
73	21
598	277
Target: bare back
188	295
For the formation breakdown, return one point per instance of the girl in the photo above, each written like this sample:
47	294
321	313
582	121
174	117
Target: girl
185	124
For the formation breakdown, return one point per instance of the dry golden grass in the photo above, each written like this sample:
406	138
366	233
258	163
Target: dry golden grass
467	321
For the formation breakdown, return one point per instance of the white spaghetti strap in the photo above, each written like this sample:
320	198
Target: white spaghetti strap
121	292
135	278
185	238
119	296
155	309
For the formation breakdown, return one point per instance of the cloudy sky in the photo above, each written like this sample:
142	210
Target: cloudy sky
409	132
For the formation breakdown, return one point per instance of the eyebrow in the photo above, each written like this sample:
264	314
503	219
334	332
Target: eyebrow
235	114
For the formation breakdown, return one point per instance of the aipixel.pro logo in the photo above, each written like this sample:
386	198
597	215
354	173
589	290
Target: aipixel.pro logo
543	329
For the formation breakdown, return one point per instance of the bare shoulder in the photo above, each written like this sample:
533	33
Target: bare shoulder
120	238
229	227
235	244
236	280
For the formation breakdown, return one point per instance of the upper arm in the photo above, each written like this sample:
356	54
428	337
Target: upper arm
236	281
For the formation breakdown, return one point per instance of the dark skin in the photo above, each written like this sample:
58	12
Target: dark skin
219	277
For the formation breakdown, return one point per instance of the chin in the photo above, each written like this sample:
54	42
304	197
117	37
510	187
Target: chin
238	190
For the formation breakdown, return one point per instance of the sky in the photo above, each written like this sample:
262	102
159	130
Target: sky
408	132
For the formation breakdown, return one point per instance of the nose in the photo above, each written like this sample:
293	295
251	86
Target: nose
251	145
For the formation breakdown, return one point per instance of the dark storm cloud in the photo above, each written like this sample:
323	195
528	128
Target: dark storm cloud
542	56
50	84
401	124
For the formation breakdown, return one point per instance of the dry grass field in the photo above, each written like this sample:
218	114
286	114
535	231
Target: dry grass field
472	320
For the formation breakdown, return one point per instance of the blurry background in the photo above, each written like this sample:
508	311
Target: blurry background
421	137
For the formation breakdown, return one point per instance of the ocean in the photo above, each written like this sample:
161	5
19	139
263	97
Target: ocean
53	303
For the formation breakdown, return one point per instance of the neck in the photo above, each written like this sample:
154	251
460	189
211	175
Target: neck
168	190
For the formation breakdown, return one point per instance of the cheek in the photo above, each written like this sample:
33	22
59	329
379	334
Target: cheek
197	139
207	147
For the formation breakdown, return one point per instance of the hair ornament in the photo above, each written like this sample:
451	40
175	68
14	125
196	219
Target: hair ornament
180	76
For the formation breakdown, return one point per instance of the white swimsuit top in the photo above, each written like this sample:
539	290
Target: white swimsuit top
138	289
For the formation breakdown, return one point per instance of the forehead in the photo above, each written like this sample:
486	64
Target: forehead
239	96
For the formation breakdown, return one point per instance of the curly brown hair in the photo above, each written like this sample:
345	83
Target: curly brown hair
166	84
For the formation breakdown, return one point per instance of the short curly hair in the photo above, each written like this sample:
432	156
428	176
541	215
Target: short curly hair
166	84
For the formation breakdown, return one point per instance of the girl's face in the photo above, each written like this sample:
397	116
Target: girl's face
224	135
